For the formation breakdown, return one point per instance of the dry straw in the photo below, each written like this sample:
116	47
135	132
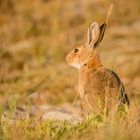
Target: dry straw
109	13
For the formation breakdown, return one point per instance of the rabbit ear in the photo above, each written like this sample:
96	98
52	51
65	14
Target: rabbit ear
93	33
102	32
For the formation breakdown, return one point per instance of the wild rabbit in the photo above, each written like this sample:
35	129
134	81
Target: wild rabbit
99	87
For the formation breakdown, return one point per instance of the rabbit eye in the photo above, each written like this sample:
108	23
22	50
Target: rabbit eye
76	50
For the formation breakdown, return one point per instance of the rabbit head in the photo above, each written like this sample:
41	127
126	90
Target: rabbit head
84	53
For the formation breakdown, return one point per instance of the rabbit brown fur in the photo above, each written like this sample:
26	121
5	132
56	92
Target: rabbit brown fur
99	87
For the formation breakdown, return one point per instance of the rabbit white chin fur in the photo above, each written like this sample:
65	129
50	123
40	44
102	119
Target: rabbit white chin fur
78	66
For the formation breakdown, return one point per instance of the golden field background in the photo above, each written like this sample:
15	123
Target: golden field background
36	35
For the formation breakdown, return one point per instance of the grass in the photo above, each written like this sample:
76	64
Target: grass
124	125
34	129
93	127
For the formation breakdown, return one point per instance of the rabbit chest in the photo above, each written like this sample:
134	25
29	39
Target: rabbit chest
94	87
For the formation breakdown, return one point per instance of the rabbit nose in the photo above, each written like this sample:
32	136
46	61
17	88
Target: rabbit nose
66	58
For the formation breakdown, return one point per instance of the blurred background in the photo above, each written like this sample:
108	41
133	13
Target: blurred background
36	35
